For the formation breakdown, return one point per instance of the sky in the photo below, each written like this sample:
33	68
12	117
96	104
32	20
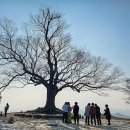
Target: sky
101	27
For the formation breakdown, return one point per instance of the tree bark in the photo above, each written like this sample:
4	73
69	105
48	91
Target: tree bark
50	107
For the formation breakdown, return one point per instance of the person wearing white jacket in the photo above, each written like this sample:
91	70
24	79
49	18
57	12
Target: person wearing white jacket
87	114
65	112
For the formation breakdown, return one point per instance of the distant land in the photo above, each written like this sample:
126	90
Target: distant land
119	115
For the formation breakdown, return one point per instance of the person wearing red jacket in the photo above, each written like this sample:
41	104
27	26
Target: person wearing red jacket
93	114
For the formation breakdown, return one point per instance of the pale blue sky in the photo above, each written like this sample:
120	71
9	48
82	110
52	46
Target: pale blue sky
101	27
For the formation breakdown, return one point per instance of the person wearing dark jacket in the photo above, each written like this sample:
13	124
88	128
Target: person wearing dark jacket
76	113
107	114
6	109
98	115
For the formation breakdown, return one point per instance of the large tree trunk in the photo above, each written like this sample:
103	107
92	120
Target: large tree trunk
50	101
50	107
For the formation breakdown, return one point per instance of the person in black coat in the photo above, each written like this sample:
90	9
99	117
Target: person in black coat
6	109
107	114
76	113
98	114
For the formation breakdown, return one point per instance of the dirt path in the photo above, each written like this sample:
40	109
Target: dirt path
42	124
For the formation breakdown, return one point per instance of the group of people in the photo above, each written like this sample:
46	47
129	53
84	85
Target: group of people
92	112
67	112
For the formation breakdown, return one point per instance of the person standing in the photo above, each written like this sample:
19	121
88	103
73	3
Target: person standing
107	114
93	114
76	113
69	113
98	114
6	109
87	114
65	112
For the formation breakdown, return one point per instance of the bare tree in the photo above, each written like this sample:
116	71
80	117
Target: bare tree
42	55
127	90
